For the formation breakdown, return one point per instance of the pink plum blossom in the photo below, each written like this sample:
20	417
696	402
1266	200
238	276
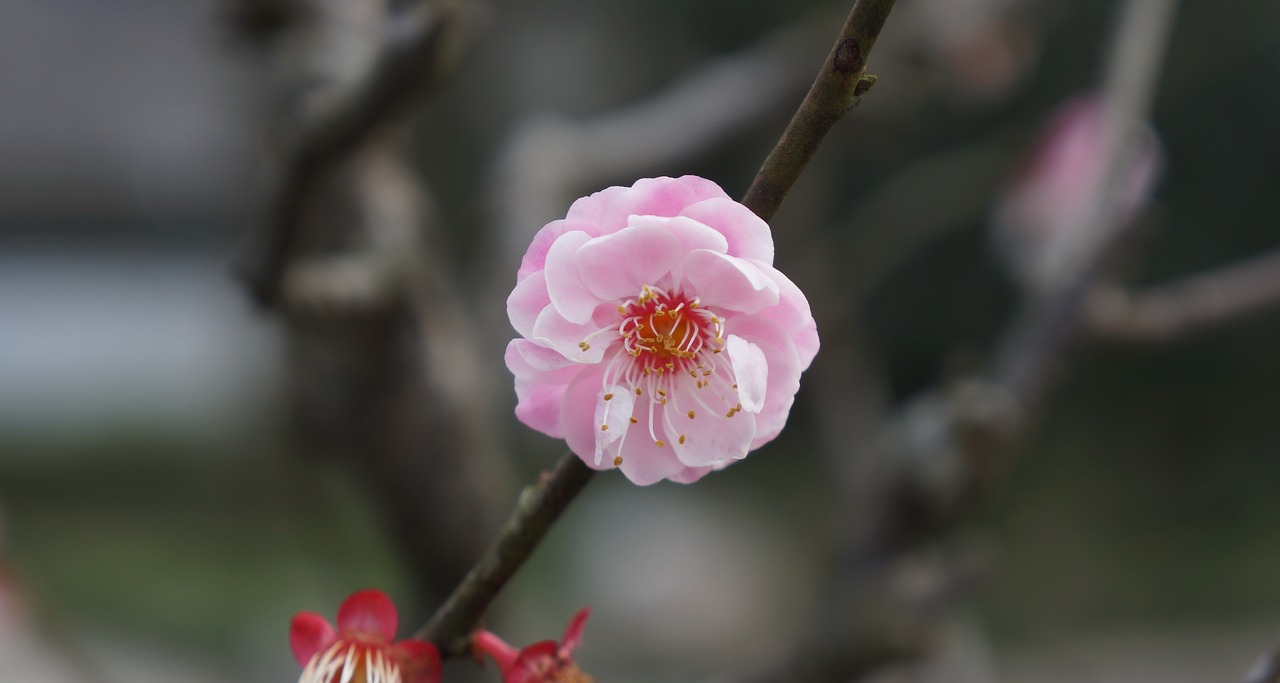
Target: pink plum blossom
656	335
360	650
542	662
1048	198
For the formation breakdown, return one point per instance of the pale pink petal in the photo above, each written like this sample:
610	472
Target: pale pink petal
368	613
613	418
309	633
784	373
690	233
644	462
711	439
689	475
616	266
747	234
792	314
535	257
564	283
577	421
750	371
526	301
702	188
727	282
540	384
650	197
569	339
539	359
594	209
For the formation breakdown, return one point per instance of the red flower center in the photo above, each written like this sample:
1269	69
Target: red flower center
666	331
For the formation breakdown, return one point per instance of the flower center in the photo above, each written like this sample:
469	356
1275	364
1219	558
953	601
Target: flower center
351	662
666	331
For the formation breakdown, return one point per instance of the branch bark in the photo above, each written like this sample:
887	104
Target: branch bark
839	85
538	506
415	57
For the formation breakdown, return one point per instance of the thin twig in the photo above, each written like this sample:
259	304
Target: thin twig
1179	309
839	85
414	58
538	506
1128	89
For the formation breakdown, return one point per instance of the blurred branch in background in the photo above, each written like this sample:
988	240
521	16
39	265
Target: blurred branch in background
943	449
1267	668
385	373
1173	311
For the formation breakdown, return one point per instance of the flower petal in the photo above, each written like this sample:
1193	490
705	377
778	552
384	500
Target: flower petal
747	234
689	475
568	339
690	233
540	384
702	188
573	632
708	439
535	257
792	314
309	633
750	370
577	417
728	282
565	286
613	417
526	301
594	209
368	612
784	373
650	197
419	661
616	266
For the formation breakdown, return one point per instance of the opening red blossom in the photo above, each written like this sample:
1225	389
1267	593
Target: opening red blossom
541	662
361	649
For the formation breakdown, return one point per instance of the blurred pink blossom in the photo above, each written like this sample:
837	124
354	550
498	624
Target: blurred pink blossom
1047	199
542	662
656	335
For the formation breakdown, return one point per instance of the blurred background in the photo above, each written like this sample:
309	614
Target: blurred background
183	467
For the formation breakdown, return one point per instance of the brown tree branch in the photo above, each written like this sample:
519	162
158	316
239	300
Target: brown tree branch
1174	311
538	506
840	83
416	56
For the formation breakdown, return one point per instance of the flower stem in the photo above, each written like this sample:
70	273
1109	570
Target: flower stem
536	509
839	85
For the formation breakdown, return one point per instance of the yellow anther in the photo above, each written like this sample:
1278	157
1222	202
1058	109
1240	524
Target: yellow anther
637	391
622	309
604	428
692	414
662	393
730	413
716	350
682	438
706	373
633	420
659	443
583	345
617	461
608	397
